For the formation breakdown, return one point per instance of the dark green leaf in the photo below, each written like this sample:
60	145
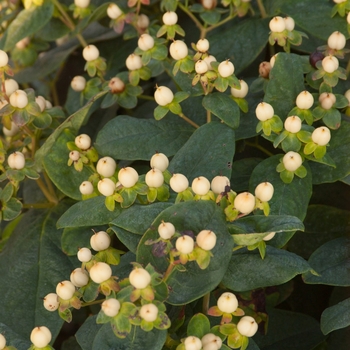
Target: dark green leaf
130	138
248	271
331	262
241	172
208	152
336	317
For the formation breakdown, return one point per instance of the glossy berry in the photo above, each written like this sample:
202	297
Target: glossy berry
100	272
178	183
273	60
51	302
264	111
100	241
185	244
227	303
247	326
65	290
219	183
321	136
292	161
159	161
90	53
170	18
242	92
327	100
79	277
178	50
149	312
84	254
166	230
264	191
264	69
40	336
16	160
200	185
315	57
78	83
106	187
114	11
86	188
292	124
139	278
226	68
208	61
40	101
277	24
163	95
128	177
111	307
11	132
244	202
83	141
142	22
106	166
206	239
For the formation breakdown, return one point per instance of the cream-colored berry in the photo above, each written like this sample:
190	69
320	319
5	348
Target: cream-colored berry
74	155
142	21
86	188
244	202
82	3
330	64
264	191
83	141
139	278
336	41
51	302
40	336
348	18
2	342
106	166
154	178
202	45
145	42
90	53
201	67
106	187
206	239
277	24
170	18
219	183
133	62
16	160
321	136
111	307
178	183
200	185
114	11
166	230
149	312
100	241
116	85
293	124
84	254
19	99
40	100
65	290
78	83
192	343
242	92
304	100
100	272
208	60
247	326
211	339
79	277
163	95
11	86
264	69
4	58
227	302
273	60
159	161
178	50
128	177
292	161
347	94
185	244
289	22
327	100
226	68
264	111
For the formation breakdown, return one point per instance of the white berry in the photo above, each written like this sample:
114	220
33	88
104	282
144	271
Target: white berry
83	141
330	64
74	155
163	95
347	95
159	161
100	272
142	21
86	187
90	53
40	100
208	61
19	99
242	92
289	23
2	342
106	187
145	42
170	18
79	277
111	307
264	111
348	17
65	290
211	339
16	160
192	343
178	183
336	41
185	244
114	11
51	302
178	50
219	183
100	241
139	278
226	68
206	239
292	161
293	124
201	67
82	3
4	58
321	136
40	336
247	326
133	62
200	185
244	202
227	302
277	24
264	191
128	177
11	86
106	166
166	230
84	254
327	100
154	178
304	100
78	83
149	312
202	45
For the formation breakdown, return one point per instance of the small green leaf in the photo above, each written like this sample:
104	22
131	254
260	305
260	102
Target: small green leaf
336	317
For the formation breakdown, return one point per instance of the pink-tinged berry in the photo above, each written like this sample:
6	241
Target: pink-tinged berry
116	85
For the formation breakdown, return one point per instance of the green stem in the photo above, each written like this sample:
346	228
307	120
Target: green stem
262	9
168	271
208	116
50	197
205	307
228	18
99	301
146	97
193	17
188	120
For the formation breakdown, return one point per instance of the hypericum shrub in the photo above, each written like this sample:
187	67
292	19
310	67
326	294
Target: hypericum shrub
160	162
